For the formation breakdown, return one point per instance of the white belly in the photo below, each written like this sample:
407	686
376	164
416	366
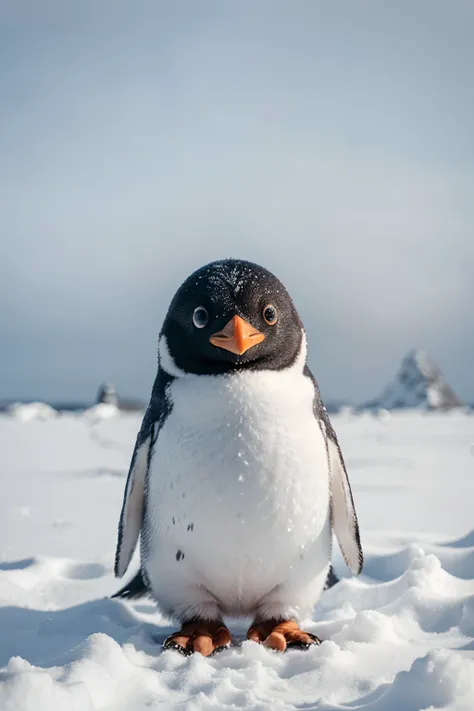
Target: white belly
238	491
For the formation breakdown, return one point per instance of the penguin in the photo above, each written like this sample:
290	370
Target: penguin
237	479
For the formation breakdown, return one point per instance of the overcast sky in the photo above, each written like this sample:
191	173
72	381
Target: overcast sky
330	141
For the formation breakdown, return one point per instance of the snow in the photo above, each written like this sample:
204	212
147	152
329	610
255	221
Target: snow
101	411
418	383
399	638
31	411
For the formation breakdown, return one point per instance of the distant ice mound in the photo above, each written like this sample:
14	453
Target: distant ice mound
107	395
107	404
31	411
418	383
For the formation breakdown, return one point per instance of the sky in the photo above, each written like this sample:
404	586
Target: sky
331	142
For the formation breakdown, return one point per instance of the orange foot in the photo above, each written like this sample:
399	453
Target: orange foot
199	636
281	635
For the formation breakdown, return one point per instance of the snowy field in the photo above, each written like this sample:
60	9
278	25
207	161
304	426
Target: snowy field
400	638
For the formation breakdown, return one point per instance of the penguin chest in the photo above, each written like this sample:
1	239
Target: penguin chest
238	480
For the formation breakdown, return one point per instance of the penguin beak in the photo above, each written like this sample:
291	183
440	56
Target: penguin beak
237	336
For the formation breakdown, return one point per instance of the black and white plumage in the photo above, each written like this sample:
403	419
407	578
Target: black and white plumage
237	479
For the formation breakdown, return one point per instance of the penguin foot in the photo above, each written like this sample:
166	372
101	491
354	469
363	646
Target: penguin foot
281	635
204	636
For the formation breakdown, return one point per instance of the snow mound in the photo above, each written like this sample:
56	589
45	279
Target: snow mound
32	411
418	383
388	646
399	638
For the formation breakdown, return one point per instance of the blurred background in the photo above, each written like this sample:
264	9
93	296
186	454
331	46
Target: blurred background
331	142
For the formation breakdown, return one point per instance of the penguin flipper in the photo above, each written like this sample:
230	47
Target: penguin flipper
132	510
344	517
343	513
131	516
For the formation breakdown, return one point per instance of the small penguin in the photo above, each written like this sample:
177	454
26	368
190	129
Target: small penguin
237	479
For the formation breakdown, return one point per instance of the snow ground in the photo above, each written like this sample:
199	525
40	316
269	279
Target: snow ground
400	638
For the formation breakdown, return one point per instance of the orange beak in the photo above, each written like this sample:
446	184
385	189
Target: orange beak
237	336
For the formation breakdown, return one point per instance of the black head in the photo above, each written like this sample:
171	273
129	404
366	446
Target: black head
230	315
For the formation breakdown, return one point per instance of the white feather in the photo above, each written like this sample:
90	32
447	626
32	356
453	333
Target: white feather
238	497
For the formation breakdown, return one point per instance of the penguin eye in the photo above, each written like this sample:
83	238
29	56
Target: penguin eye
200	317
270	314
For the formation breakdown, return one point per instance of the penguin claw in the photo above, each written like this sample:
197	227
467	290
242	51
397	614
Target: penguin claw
208	638
304	645
170	644
281	635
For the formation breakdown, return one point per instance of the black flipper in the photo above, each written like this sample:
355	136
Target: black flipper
136	587
131	517
343	514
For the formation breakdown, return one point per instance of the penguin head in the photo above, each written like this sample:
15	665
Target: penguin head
228	316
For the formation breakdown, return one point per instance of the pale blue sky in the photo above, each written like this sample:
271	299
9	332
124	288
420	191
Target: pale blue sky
330	141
